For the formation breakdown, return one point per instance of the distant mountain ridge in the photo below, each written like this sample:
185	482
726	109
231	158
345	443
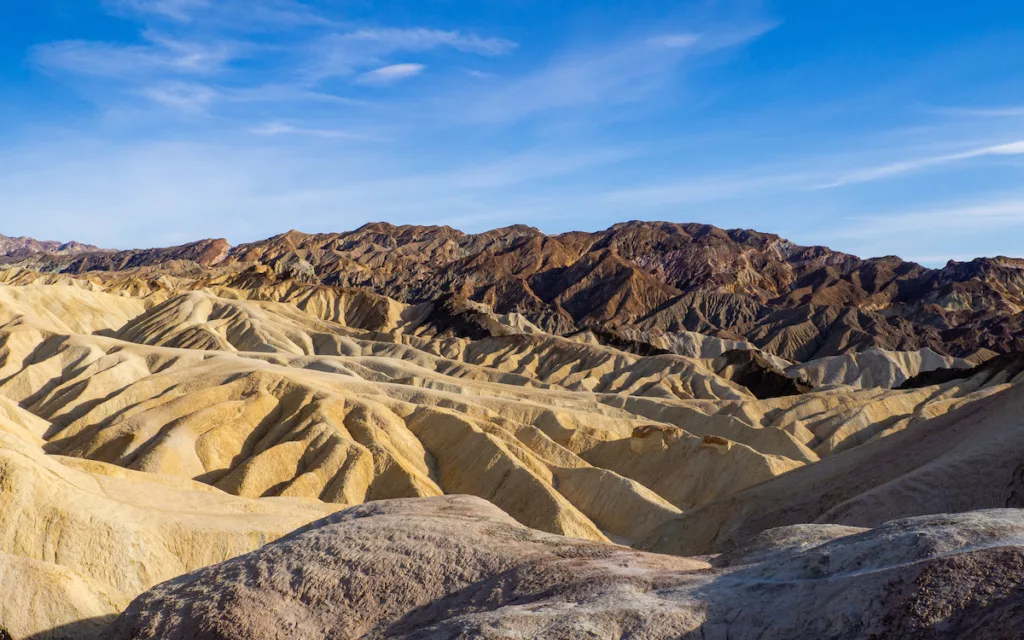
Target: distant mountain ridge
639	280
21	247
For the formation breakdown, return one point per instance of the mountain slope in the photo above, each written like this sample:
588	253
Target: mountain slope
795	302
966	458
21	247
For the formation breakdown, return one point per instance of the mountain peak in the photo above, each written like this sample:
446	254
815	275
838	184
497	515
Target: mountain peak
21	246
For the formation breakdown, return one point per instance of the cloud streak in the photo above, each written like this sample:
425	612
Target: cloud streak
283	128
391	74
202	71
976	217
229	15
622	73
162	55
183	96
419	39
341	54
885	171
179	10
991	112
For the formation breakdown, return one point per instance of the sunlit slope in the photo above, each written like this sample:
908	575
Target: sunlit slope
966	456
345	396
79	539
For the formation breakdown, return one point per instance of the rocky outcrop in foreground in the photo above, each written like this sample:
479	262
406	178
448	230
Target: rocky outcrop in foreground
457	567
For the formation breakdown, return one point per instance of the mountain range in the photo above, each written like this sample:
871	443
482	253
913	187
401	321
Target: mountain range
654	431
636	282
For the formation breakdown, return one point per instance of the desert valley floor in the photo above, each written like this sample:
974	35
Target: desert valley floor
656	431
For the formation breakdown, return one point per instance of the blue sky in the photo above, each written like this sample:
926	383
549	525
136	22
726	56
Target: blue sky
873	127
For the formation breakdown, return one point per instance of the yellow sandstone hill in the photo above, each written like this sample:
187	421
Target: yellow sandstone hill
79	539
152	424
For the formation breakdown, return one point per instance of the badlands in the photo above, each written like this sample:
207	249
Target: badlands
656	431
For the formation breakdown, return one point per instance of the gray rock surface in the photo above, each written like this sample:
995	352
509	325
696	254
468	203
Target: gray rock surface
457	567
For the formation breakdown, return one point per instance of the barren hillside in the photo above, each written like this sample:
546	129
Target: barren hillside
162	411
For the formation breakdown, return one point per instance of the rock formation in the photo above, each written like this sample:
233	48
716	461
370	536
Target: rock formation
798	303
878	368
458	568
964	459
12	249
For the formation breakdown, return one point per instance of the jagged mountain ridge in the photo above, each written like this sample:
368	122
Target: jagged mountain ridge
638	278
21	247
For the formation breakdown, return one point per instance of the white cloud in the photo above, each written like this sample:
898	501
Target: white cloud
391	73
278	128
991	112
231	15
982	217
706	189
420	39
340	54
286	93
182	96
908	166
675	40
162	68
622	73
807	176
180	10
162	55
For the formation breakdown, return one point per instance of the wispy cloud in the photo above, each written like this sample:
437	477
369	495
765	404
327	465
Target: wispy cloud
286	93
898	168
982	112
341	54
391	73
183	96
161	55
180	10
231	15
242	189
194	71
806	175
480	75
675	40
283	128
419	39
616	74
986	216
705	189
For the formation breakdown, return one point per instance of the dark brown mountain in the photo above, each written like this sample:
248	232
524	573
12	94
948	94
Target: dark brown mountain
793	301
203	253
21	247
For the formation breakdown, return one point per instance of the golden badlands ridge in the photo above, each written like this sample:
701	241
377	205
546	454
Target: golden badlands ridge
160	431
